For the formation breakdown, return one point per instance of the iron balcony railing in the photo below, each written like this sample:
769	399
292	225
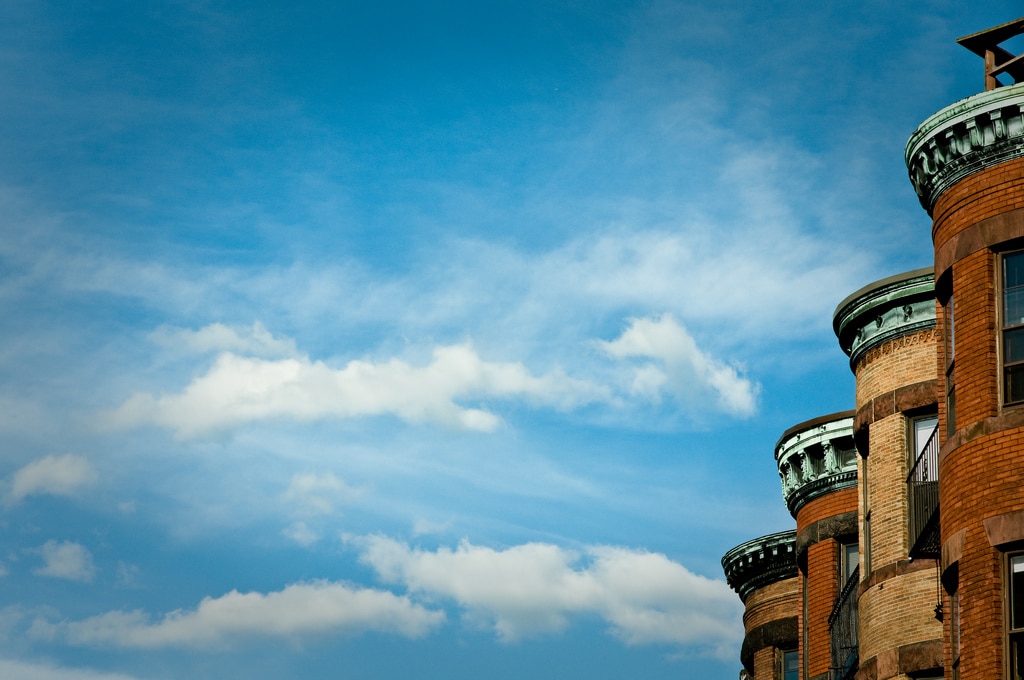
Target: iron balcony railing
842	627
923	500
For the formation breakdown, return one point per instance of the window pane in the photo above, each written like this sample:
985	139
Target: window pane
1014	384
923	428
1017	657
1013	306
1013	269
948	322
954	624
951	411
1013	346
1017	592
851	554
789	666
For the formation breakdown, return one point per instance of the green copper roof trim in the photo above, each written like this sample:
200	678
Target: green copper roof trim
760	562
881	311
965	137
816	458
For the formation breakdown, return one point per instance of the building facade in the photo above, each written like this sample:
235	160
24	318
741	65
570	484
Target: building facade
907	560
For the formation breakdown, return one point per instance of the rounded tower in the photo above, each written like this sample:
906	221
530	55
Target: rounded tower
966	163
763	572
887	329
817	464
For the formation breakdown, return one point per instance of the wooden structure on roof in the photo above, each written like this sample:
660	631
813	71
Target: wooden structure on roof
997	60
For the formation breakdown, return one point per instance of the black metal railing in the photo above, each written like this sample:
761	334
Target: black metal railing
923	500
842	628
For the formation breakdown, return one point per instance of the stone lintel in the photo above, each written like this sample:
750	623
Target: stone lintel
1005	529
781	634
837	526
905	399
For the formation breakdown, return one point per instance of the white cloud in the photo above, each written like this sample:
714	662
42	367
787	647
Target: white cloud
422	527
684	369
27	670
67	560
239	389
301	534
318	493
299	610
56	475
535	588
253	340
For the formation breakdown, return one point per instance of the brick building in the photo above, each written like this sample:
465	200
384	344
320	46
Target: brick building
908	556
763	572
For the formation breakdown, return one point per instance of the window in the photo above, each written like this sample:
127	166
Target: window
949	344
954	630
1015	610
790	667
1013	327
866	523
923	486
849	557
922	431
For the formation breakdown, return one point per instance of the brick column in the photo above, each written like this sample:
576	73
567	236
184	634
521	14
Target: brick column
967	165
888	330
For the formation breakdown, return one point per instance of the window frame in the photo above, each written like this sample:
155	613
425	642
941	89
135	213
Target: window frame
949	360
1007	329
866	521
846	567
915	447
1014	636
920	471
955	640
789	654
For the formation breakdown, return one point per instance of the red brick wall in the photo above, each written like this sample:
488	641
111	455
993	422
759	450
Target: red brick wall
982	195
830	505
822	577
982	472
982	478
977	381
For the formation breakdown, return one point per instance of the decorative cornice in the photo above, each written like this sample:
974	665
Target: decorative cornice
760	562
896	345
971	135
815	458
881	311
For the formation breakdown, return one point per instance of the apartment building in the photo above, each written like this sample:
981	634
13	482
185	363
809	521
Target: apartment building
907	560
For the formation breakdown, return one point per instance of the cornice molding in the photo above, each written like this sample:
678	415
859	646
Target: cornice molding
760	562
815	458
968	136
881	311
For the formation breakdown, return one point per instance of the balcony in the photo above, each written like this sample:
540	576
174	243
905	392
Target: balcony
842	628
923	501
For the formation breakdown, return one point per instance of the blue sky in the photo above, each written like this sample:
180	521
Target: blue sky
432	340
